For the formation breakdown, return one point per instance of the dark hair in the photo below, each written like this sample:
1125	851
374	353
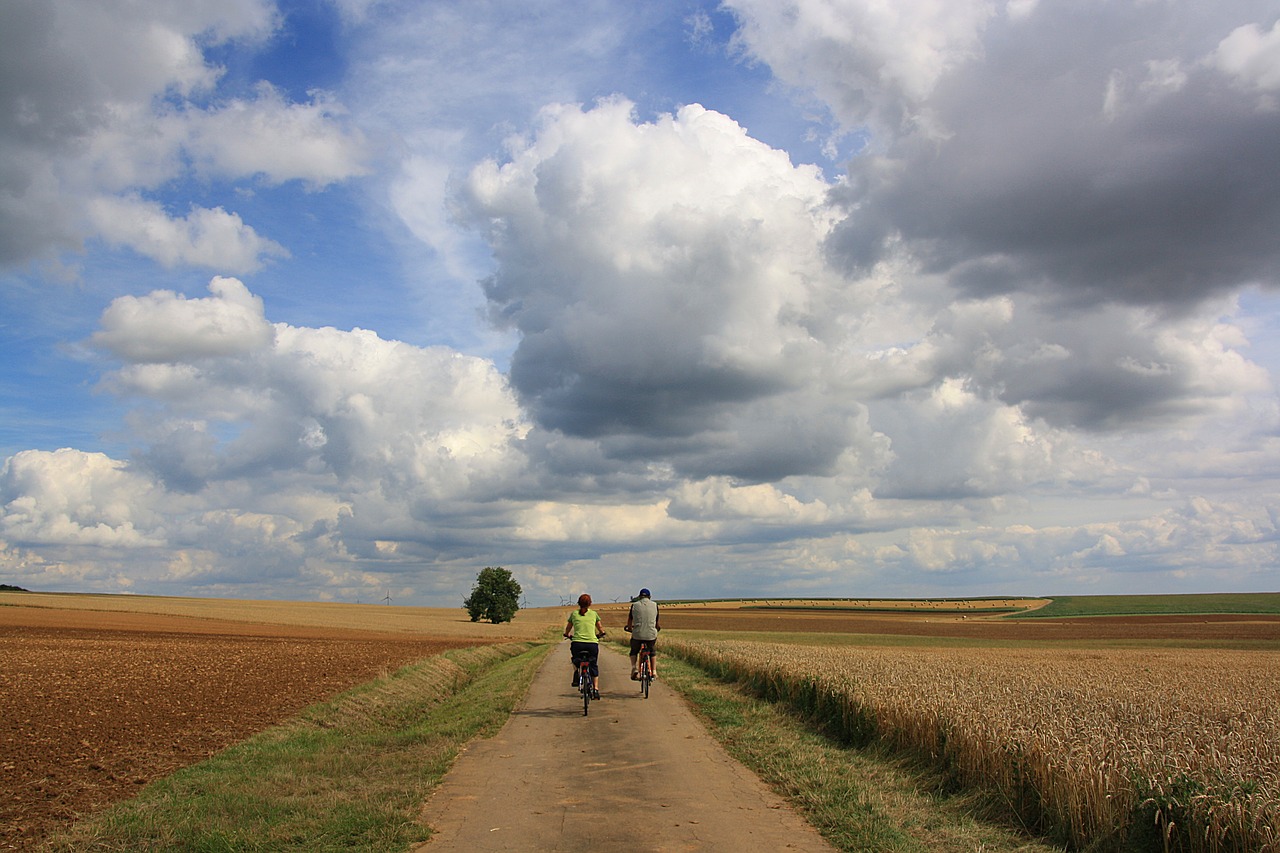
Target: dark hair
584	601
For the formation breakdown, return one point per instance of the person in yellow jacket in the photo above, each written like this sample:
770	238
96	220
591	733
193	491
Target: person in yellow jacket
584	630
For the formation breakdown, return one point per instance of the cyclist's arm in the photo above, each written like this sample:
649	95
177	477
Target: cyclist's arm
568	629
599	628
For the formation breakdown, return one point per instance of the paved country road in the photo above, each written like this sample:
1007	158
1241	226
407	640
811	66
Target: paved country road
636	775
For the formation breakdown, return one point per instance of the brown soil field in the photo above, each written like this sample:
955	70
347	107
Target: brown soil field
96	703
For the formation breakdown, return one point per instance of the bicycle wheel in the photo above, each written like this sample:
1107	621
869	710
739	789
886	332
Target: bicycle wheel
646	676
585	678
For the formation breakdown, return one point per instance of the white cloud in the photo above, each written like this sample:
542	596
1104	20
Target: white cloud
276	140
104	102
305	447
206	238
167	327
69	497
317	402
865	60
950	443
719	498
1251	55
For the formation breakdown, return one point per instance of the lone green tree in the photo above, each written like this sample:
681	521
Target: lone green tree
495	596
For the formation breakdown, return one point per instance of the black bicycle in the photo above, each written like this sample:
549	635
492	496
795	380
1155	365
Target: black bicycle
644	665
582	659
584	679
644	669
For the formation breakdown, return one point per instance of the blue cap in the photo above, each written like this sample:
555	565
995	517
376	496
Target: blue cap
644	593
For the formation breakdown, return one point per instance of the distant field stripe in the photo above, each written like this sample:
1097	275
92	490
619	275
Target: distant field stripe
897	611
1248	603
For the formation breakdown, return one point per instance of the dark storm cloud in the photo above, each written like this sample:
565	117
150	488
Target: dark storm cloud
1094	155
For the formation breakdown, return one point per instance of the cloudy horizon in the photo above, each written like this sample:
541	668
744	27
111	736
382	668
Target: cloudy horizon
345	300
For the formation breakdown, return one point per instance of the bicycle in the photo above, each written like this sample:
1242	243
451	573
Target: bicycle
644	664
584	680
645	669
585	686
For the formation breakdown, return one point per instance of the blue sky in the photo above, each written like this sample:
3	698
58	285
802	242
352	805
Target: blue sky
340	300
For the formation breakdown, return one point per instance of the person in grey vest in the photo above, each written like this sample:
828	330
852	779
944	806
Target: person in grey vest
642	622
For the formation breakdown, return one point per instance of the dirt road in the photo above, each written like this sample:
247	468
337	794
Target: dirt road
637	775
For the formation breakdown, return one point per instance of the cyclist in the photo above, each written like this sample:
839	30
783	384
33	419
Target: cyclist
584	631
642	622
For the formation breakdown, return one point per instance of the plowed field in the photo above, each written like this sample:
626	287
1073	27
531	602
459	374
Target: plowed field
93	705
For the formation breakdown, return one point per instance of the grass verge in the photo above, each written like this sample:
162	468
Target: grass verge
347	775
858	798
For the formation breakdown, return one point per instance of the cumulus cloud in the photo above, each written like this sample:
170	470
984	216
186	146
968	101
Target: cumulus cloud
69	497
203	238
869	62
168	327
314	401
663	277
1251	56
1096	369
301	446
103	102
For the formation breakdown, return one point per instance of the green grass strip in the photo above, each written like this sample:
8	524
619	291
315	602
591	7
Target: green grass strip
860	799
351	774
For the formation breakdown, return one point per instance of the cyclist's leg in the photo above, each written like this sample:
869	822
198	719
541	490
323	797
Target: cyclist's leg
576	649
653	658
635	655
594	652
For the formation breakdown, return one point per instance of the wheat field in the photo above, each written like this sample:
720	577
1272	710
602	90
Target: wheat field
1165	749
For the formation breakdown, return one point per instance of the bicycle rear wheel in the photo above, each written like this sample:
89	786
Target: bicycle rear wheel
585	678
646	676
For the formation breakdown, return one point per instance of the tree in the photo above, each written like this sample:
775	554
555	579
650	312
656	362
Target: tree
496	596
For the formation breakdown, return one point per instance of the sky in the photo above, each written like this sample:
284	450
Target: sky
345	300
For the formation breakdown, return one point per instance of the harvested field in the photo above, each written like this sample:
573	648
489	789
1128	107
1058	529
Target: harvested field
529	624
97	703
1210	629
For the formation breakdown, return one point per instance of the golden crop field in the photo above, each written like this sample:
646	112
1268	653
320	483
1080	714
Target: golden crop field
436	622
1174	749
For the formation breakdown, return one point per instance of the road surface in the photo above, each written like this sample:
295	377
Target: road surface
635	774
